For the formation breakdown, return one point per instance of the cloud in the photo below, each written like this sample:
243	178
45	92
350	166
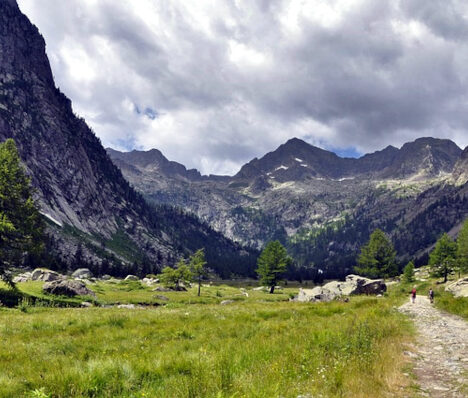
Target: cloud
214	84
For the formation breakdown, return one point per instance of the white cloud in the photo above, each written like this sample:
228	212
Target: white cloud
213	84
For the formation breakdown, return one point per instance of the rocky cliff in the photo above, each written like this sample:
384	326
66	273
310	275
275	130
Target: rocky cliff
91	208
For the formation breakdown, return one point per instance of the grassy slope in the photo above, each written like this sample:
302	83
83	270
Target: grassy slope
260	346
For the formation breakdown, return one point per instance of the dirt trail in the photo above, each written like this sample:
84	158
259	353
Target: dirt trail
441	355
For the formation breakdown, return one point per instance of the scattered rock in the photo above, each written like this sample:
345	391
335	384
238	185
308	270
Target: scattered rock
260	288
106	277
127	306
225	302
46	275
68	288
132	278
160	297
85	304
25	277
161	289
458	288
150	281
353	284
82	273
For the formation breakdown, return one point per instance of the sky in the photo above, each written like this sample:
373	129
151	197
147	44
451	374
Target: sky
213	84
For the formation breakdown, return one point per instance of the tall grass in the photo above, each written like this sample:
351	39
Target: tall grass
245	349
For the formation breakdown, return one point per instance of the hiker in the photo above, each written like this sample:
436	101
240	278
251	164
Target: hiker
413	295
431	295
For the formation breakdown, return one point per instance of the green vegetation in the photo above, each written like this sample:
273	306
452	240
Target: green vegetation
462	248
176	277
377	258
251	347
272	264
443	258
21	228
408	272
197	267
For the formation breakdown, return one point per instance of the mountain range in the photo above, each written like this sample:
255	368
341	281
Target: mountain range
94	216
322	206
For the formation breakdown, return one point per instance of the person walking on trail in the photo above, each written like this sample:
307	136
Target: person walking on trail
413	295
431	295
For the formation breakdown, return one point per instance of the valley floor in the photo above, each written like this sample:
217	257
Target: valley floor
441	353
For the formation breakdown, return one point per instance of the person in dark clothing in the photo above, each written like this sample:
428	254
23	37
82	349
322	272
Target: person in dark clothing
413	295
431	295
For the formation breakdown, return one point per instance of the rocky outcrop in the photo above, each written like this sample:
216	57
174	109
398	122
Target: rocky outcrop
45	275
82	273
68	288
458	288
353	284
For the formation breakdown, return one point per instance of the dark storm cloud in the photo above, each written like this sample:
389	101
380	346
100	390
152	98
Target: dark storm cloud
214	84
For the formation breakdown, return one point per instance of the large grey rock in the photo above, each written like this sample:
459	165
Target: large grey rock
46	275
458	288
150	281
132	278
353	284
82	273
24	277
69	288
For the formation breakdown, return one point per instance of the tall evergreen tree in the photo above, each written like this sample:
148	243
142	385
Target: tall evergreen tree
272	264
377	258
443	258
408	272
462	248
21	227
197	265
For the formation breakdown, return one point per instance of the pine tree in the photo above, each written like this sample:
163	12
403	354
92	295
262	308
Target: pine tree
377	258
462	248
175	277
272	264
21	227
408	272
443	258
197	266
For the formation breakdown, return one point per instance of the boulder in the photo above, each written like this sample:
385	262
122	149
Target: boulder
132	278
68	288
458	288
85	304
82	273
46	275
225	302
353	284
150	281
160	297
260	288
106	277
161	289
25	277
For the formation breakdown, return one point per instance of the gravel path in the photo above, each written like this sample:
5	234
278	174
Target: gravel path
441	355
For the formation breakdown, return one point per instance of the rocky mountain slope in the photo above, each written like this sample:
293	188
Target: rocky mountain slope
322	206
93	213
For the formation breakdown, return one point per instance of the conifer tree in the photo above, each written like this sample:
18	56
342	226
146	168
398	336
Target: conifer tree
21	227
408	272
442	259
272	264
462	248
197	267
377	258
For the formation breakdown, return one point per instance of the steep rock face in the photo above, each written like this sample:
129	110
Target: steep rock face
460	171
93	210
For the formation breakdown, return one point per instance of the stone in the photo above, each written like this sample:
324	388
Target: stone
225	302
161	289
24	277
68	288
260	288
132	278
150	281
353	284
458	288
160	297
127	306
46	275
106	277
85	304
82	273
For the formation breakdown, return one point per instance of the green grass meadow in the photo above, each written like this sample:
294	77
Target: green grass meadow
257	346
